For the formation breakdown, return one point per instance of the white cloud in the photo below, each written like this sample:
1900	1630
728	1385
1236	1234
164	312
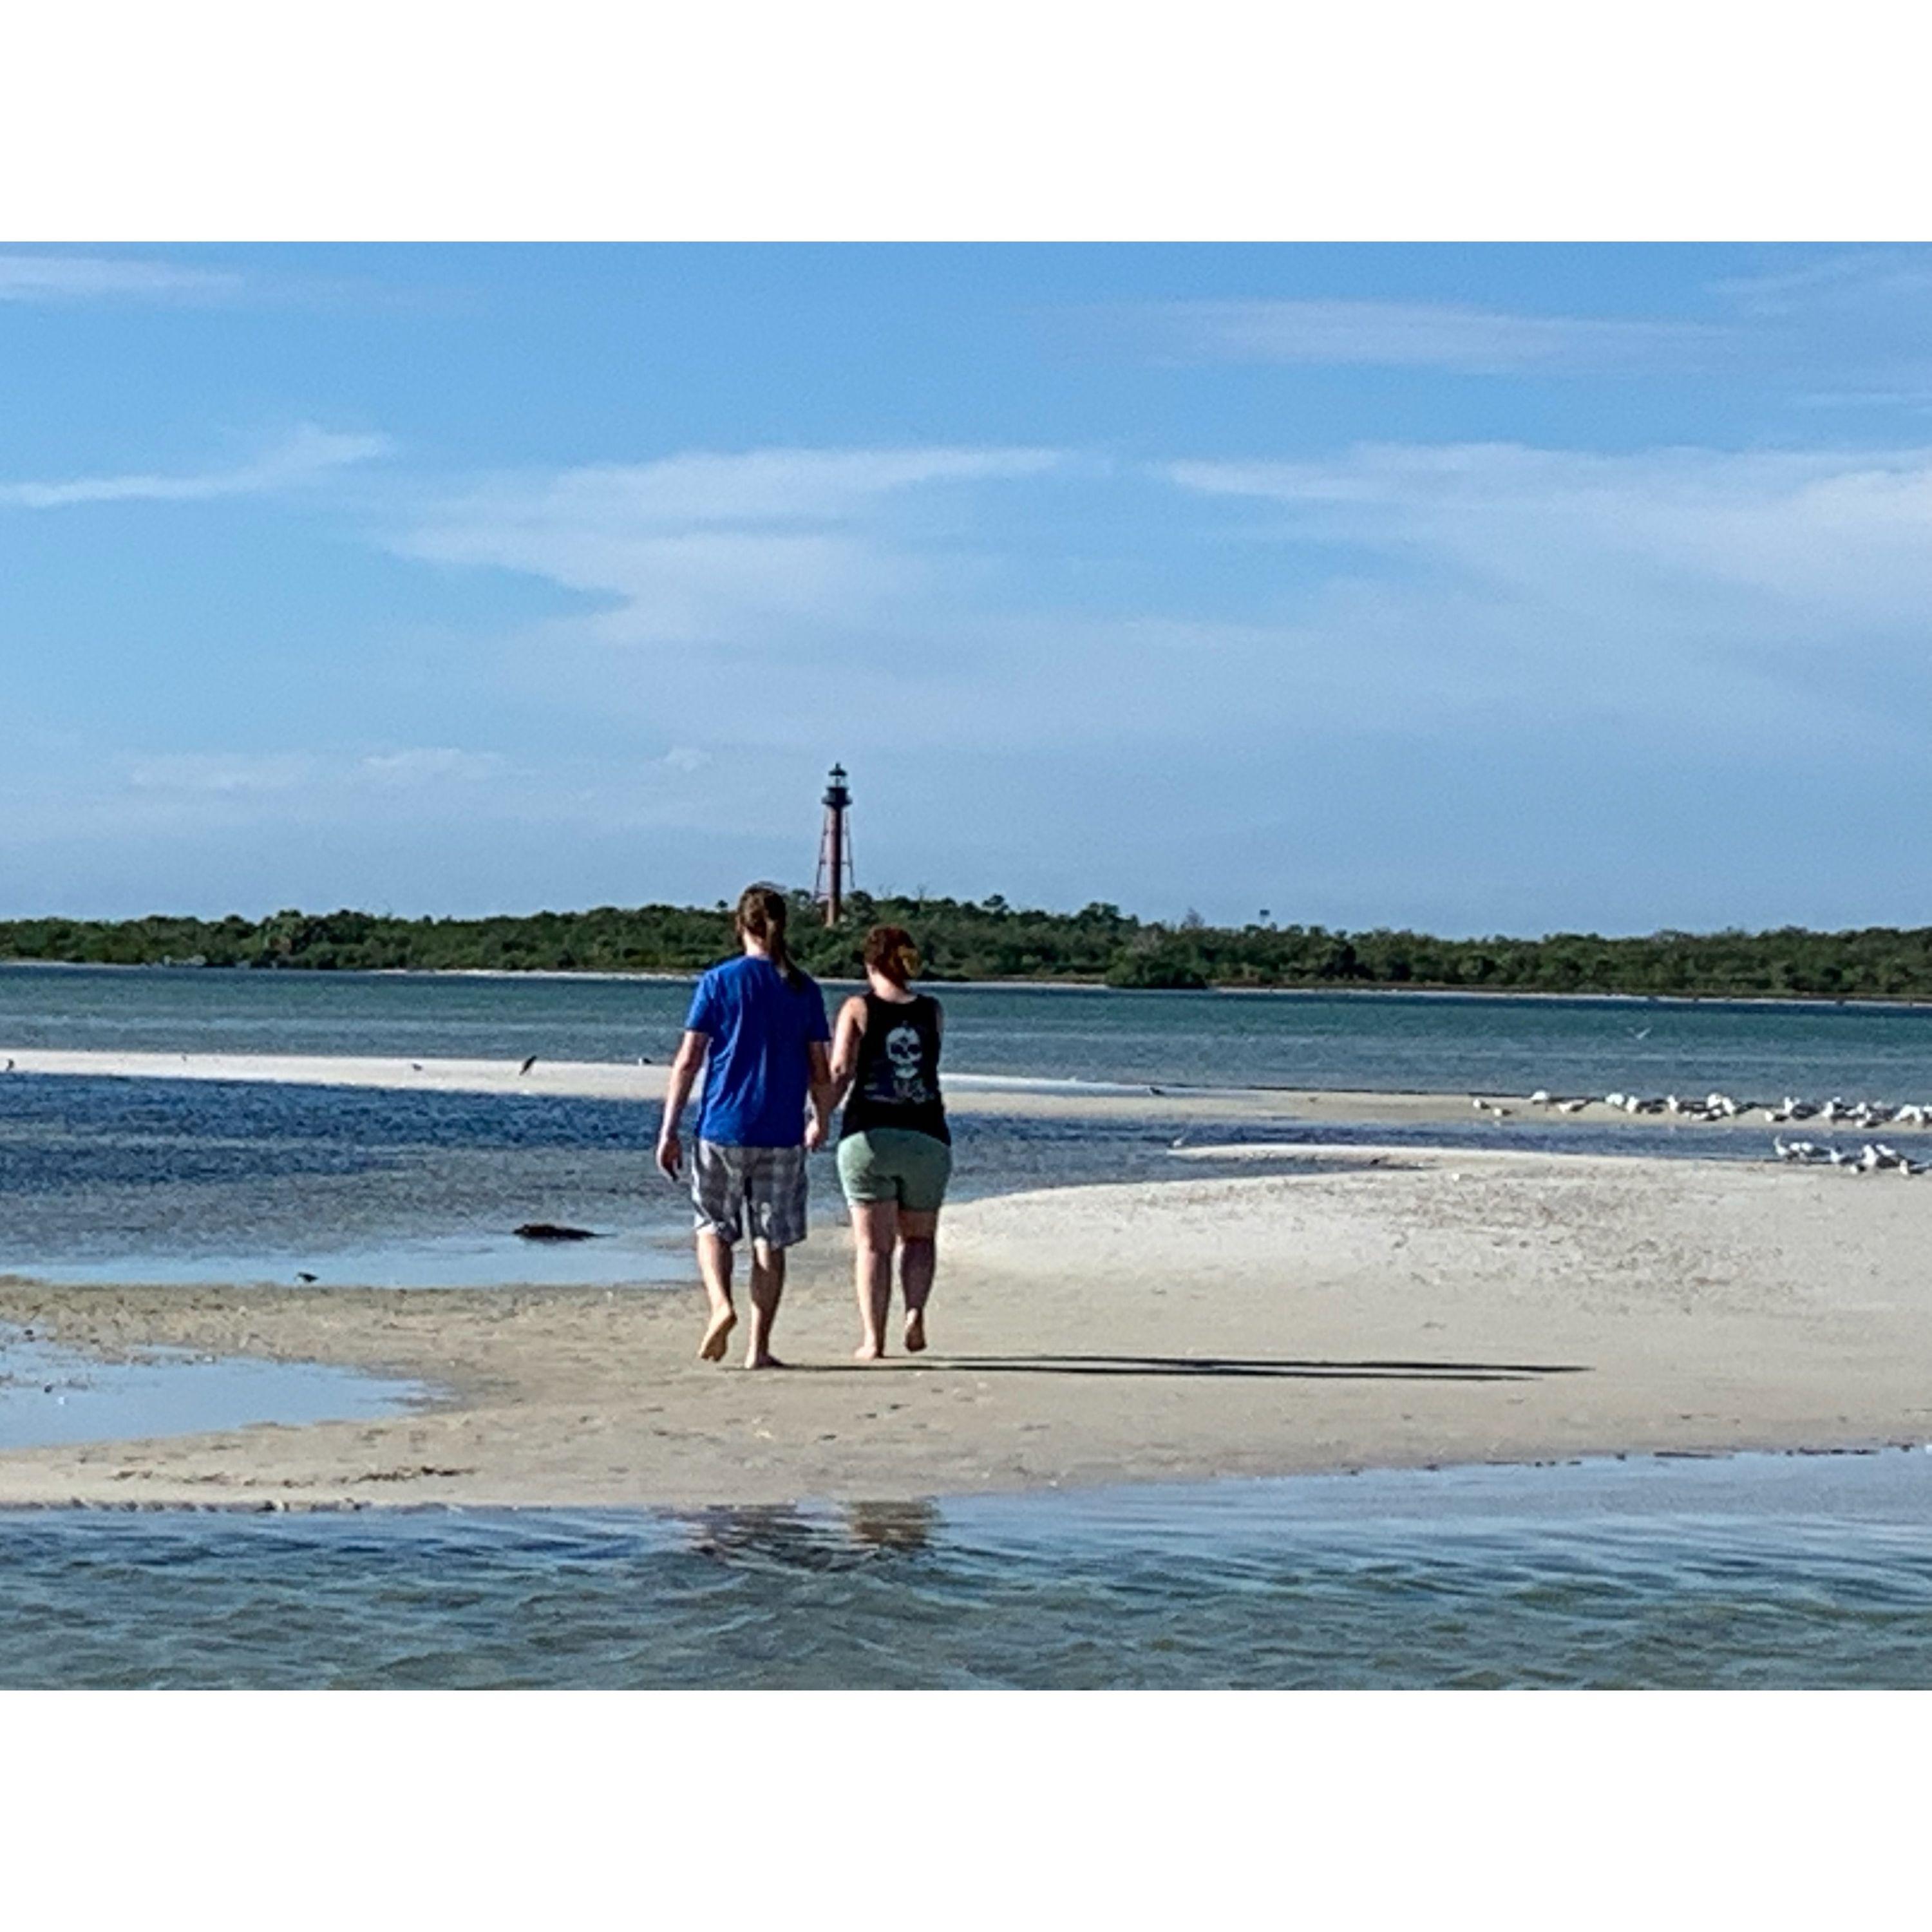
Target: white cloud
229	773
308	453
1431	335
221	773
429	765
1849	278
708	548
70	278
1790	538
1726	602
1697	603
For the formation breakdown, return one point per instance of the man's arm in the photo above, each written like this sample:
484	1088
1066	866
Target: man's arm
690	1052
822	1092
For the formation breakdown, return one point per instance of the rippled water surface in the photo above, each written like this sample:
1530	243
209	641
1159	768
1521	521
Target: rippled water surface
1753	1572
1783	1571
1387	1041
176	1180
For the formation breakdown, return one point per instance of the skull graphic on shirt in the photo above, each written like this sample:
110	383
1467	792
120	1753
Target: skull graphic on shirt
902	1054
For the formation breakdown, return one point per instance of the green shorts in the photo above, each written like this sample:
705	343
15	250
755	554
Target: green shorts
895	1164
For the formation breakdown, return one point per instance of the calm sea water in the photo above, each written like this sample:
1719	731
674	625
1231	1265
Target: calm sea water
1753	1572
50	1394
1380	1041
179	1181
187	1180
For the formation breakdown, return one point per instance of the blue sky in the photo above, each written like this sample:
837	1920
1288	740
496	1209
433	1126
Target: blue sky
1474	588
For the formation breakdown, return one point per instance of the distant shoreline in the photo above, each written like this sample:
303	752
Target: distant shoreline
969	942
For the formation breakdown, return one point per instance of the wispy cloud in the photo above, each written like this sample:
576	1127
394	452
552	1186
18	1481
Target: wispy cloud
224	773
1732	601
713	548
1702	601
80	278
219	774
428	764
1418	335
1825	531
1851	277
308	453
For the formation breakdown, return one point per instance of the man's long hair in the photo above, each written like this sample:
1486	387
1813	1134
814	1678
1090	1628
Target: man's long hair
761	915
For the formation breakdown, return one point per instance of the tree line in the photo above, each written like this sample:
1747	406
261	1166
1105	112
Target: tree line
990	939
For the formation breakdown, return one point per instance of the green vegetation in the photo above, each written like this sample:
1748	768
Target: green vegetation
993	940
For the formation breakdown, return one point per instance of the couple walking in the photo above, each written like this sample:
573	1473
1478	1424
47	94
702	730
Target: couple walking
758	1029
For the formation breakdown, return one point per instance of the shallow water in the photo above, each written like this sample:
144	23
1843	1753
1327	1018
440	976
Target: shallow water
165	1180
50	1395
1750	1572
1756	1571
1387	1041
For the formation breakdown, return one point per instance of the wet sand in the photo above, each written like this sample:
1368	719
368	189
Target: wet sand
1378	1307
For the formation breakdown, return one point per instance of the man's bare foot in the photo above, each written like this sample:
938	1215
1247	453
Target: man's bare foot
915	1330
766	1360
712	1348
869	1351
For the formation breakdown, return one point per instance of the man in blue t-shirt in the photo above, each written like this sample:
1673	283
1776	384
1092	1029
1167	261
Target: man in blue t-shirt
757	1025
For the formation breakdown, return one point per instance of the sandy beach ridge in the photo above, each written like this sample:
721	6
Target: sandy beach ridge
985	1094
1373	1305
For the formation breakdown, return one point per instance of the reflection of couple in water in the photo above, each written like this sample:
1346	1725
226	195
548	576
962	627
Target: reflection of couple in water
782	1533
774	1071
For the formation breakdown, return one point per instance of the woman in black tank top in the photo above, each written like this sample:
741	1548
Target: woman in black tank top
895	1149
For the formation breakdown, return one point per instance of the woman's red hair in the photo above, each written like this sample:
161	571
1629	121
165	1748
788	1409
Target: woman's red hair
890	950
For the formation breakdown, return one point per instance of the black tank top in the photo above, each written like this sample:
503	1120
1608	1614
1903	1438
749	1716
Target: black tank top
895	1083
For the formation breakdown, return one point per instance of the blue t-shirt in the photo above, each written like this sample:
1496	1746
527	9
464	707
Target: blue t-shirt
757	1076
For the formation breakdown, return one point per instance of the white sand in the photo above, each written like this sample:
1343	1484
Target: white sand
1409	1308
966	1093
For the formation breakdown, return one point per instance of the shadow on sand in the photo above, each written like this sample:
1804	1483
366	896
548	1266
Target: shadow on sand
1213	1365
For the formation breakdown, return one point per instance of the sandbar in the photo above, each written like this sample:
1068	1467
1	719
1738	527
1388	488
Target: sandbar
984	1094
1384	1307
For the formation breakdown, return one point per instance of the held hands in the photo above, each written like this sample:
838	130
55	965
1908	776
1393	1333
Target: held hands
671	1152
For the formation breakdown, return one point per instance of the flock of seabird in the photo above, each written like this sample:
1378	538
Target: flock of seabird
1872	1157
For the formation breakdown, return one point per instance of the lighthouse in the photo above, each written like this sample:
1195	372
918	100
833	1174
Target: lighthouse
835	849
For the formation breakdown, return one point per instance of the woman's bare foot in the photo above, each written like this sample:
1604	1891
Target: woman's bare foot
766	1360
712	1348
915	1330
869	1351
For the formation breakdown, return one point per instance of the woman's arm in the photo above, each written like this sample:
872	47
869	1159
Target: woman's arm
845	1038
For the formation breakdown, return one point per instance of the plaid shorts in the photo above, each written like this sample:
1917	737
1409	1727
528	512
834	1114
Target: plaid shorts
766	1186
